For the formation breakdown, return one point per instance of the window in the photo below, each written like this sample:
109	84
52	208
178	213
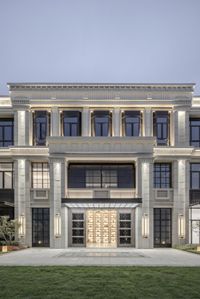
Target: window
40	176
162	227
161	127
195	132
101	176
195	176
71	123
131	123
6	175
101	123
78	234
125	228
41	127
6	132
162	175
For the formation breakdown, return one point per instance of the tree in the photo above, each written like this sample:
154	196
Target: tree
8	228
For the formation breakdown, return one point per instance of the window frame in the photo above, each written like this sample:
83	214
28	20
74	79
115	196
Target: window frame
194	126
47	124
3	176
134	114
159	140
78	123
162	185
103	178
4	141
42	175
101	114
194	171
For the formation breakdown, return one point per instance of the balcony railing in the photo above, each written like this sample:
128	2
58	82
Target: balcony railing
194	197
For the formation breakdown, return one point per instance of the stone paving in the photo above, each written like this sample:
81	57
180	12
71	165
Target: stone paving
99	257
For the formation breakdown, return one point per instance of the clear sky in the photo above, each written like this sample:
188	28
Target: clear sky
139	41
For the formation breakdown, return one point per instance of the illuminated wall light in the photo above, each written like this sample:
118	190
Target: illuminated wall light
22	225
145	226
181	226
58	225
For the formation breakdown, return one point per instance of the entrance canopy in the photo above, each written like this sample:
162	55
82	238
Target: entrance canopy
116	203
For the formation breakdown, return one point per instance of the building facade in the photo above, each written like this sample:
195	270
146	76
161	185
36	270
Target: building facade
101	165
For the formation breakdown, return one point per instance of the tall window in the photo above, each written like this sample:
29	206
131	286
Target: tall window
6	175
161	127
195	132
71	123
195	176
41	127
101	176
131	123
6	132
102	123
162	175
40	175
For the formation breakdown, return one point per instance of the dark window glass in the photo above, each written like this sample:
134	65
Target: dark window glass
41	126
161	127
40	175
6	132
101	176
101	123
162	227
131	123
6	175
195	176
71	123
195	132
162	175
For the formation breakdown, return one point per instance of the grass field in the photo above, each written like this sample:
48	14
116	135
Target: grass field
99	282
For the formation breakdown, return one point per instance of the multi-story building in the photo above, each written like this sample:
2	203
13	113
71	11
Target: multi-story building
101	165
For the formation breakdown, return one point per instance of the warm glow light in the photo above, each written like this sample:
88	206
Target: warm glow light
57	225
181	226
145	226
22	225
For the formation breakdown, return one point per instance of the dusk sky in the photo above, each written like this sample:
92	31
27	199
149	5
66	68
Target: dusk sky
139	41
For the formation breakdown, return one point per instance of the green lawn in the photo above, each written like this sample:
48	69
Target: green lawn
99	282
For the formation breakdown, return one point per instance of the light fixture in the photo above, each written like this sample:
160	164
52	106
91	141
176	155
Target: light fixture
145	225
22	225
58	225
181	226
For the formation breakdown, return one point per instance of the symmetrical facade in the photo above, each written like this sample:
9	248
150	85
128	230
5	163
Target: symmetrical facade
101	165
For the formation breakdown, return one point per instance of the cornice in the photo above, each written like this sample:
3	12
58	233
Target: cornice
187	87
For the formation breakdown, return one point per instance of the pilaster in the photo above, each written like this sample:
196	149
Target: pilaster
55	121
148	122
86	122
116	121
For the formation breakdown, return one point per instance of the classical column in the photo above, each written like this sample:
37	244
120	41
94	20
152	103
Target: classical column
55	121
180	217
181	128
55	202
144	215
86	122
22	200
147	122
116	122
20	127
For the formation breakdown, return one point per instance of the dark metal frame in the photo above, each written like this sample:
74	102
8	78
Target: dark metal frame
68	114
161	222
134	114
101	113
155	127
48	125
39	227
191	127
166	185
4	141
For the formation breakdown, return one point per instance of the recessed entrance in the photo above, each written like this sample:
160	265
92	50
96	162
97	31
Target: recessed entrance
101	228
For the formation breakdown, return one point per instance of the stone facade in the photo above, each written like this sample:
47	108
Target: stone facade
142	151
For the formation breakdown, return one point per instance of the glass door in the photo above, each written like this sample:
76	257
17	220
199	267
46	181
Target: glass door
40	227
162	227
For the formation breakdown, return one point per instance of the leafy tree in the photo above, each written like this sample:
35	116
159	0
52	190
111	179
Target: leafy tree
7	229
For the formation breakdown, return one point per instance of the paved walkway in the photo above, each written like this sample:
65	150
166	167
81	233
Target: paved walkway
101	257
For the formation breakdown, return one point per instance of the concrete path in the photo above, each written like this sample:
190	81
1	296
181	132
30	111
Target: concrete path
101	257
